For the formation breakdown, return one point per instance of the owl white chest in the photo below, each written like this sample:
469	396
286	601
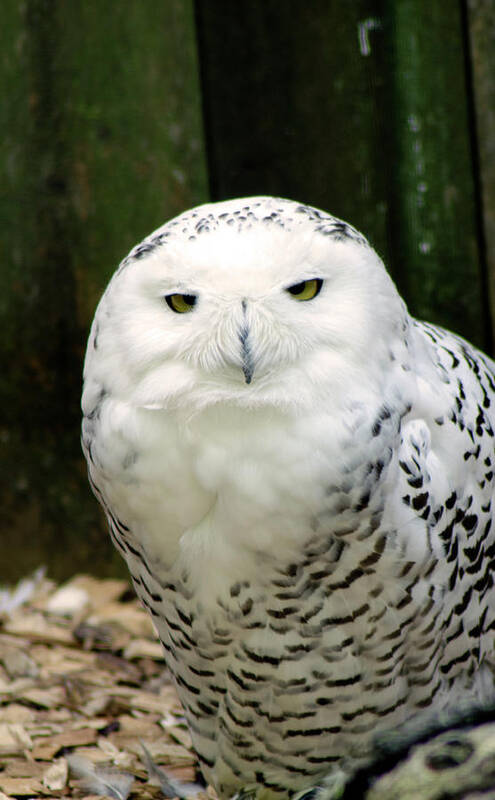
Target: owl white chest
227	484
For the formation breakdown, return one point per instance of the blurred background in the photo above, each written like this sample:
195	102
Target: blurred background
117	114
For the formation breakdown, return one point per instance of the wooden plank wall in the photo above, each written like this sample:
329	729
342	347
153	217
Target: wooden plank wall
116	116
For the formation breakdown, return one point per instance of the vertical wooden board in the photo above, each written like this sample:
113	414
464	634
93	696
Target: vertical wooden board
13	119
15	229
481	24
294	104
432	207
360	108
135	115
102	141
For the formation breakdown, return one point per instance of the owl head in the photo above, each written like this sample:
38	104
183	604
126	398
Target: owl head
250	301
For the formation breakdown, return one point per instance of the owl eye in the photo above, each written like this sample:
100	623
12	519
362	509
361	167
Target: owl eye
306	290
181	303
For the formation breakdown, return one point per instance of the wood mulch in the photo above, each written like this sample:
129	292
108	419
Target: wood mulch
87	707
88	710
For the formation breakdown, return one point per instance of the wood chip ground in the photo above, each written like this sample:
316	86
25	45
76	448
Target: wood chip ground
87	707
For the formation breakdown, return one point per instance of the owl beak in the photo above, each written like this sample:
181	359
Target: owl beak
246	355
248	374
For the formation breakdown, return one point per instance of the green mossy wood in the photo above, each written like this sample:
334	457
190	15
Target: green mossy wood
366	109
360	108
101	142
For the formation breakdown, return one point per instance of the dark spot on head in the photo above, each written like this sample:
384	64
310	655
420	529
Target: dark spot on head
142	250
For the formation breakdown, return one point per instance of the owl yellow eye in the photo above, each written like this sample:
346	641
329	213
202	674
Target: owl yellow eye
306	290
181	303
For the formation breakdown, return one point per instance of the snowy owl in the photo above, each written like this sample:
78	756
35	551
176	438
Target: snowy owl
300	478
